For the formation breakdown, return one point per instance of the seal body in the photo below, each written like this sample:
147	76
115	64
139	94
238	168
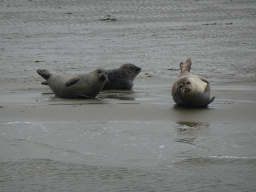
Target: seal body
122	78
75	86
191	90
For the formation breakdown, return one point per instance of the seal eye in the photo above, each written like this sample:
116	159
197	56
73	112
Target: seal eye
132	68
99	71
180	87
188	83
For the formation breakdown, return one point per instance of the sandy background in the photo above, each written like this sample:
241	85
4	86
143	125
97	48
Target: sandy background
141	129
76	36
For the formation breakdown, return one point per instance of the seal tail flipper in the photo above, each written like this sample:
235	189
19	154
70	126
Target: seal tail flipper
211	100
44	73
185	66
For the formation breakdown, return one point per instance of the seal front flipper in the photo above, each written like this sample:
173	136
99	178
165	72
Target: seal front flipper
72	81
44	83
80	96
203	79
44	73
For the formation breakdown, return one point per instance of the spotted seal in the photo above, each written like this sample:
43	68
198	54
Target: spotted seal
191	90
75	86
121	78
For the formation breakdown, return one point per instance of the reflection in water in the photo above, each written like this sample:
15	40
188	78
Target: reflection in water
118	94
127	95
182	108
186	125
74	101
188	131
186	140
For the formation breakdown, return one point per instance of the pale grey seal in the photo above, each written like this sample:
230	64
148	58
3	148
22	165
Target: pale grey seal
121	78
191	90
75	86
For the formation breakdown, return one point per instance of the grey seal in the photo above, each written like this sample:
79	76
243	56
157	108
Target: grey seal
191	90
121	78
77	85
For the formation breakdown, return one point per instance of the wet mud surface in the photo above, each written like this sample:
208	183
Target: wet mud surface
136	140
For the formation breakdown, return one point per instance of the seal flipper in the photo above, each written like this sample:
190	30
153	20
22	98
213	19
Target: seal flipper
72	81
44	73
185	67
211	100
203	79
44	83
80	96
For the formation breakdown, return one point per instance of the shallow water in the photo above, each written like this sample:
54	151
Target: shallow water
135	140
127	155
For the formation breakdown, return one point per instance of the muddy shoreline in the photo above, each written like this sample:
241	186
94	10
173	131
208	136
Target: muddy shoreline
136	140
150	99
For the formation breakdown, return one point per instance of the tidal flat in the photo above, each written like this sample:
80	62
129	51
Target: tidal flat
130	140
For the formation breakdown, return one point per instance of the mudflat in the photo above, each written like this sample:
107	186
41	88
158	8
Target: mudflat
130	140
26	99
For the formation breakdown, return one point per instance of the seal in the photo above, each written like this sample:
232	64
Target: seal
191	90
75	86
121	78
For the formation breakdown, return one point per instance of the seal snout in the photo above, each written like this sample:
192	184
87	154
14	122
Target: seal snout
187	89
138	69
103	76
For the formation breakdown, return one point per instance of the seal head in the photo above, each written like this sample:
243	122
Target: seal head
122	78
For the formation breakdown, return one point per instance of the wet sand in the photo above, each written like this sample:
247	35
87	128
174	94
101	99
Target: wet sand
127	140
150	99
123	137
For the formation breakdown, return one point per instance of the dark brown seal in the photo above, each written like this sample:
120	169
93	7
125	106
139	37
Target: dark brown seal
191	90
75	86
122	78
